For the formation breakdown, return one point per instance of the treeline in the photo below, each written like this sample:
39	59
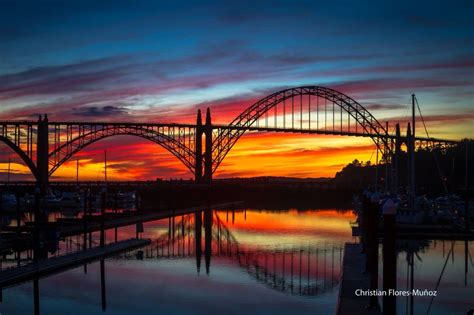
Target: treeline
255	195
437	171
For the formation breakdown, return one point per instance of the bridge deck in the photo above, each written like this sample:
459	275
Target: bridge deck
361	133
15	276
353	278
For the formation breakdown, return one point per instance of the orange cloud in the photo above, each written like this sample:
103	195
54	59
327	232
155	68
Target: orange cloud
293	155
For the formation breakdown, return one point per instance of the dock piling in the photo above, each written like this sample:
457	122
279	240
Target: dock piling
389	256
373	250
102	219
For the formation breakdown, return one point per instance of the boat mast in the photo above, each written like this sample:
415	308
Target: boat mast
376	168
105	166
466	181
77	172
8	173
412	156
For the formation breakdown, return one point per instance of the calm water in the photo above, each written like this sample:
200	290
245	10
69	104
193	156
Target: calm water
455	288
252	262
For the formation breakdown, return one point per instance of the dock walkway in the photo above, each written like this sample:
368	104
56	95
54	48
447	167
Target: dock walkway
353	278
132	218
18	275
77	226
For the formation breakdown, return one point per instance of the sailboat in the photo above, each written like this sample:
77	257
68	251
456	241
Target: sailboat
72	201
409	210
8	199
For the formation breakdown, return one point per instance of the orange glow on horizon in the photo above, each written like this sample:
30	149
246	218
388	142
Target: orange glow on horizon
293	155
263	220
255	154
261	226
264	226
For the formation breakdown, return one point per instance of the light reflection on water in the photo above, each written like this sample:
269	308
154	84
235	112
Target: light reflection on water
255	262
456	286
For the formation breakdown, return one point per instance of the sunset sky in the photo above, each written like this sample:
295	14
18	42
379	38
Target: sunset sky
155	62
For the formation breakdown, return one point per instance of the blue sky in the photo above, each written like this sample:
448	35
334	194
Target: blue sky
243	46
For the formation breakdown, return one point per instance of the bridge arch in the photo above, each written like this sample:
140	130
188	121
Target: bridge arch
227	138
66	150
31	165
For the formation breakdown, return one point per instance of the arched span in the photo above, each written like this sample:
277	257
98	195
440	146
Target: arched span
22	155
226	139
64	152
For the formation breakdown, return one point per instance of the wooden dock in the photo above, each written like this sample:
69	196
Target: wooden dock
14	276
133	218
93	224
353	278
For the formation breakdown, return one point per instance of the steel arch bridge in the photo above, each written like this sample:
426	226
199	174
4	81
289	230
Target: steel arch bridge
44	146
227	137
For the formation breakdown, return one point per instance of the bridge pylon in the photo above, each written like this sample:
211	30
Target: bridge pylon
208	152
42	154
198	148
398	149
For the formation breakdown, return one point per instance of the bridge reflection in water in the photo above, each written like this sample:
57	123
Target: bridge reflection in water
282	261
261	262
305	270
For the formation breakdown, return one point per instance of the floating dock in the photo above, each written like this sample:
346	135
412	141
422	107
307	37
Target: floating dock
71	227
353	278
119	220
14	276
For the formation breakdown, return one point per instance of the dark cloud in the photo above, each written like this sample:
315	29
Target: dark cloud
95	111
79	77
384	106
368	86
454	118
459	62
130	73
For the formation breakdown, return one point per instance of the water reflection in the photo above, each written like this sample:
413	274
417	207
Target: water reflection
300	263
304	270
441	265
227	261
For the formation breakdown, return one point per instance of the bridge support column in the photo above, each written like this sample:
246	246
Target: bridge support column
42	153
208	152
398	147
198	148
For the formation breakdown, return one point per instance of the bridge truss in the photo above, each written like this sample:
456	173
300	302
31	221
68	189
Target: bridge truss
69	138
